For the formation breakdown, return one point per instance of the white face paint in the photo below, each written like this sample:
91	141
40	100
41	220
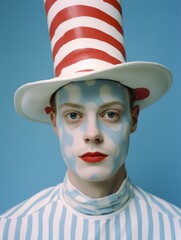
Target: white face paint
94	122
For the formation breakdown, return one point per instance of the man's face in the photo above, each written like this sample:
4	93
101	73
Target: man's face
93	121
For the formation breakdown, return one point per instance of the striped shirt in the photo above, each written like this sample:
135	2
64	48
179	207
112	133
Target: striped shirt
61	212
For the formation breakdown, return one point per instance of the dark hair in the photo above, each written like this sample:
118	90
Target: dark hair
132	96
52	101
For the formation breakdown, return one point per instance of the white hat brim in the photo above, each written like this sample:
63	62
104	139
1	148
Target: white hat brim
31	99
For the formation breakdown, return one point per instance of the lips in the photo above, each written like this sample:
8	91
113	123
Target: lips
93	157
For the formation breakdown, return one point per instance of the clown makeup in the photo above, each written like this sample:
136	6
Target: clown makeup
93	122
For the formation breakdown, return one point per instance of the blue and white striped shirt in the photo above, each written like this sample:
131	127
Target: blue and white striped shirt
63	213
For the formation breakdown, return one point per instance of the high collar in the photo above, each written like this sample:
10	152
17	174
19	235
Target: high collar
97	206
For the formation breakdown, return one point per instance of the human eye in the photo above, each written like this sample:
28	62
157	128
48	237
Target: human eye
110	115
72	116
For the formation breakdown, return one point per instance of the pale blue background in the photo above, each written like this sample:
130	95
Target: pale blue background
29	152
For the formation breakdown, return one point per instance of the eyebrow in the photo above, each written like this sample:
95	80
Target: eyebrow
110	104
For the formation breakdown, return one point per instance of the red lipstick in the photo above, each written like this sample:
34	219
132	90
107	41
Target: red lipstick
93	157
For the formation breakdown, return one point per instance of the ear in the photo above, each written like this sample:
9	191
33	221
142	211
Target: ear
134	113
53	121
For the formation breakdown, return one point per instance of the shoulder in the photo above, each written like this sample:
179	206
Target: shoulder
157	206
33	204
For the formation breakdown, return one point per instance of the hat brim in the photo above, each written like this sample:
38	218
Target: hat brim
31	99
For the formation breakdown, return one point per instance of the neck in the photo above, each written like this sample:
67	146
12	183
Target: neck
98	189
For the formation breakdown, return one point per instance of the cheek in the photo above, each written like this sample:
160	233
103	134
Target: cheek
117	140
60	135
123	133
70	142
122	139
111	144
118	134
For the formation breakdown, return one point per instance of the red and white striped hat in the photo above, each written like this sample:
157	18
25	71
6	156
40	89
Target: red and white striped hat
87	43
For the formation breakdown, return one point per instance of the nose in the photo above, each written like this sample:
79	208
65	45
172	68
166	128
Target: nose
93	133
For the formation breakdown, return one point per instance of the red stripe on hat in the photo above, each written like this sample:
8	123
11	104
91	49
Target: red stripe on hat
84	54
115	4
79	11
141	93
48	5
86	32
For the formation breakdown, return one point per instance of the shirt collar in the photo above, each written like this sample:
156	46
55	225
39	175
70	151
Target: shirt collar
97	206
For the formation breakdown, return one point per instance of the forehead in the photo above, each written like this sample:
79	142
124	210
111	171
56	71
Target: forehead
98	91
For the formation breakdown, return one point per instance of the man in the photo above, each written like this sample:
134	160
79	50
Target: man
93	121
93	105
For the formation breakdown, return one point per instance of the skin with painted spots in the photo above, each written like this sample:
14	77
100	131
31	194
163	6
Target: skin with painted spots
93	122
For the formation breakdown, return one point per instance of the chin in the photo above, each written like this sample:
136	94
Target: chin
96	175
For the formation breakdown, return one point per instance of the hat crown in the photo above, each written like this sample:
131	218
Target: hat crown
87	43
85	35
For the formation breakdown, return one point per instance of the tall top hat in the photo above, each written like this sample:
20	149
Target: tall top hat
87	43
